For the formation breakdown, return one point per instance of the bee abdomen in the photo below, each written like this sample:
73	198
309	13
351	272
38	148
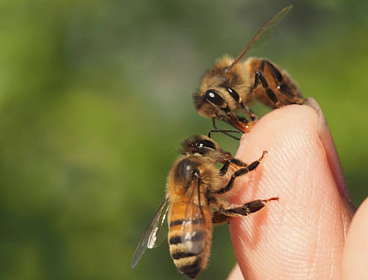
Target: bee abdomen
181	255
177	246
187	262
189	266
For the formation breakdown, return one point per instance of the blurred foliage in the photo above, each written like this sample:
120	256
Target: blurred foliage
95	97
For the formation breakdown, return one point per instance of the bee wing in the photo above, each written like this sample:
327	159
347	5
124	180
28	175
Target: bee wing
153	235
193	227
265	30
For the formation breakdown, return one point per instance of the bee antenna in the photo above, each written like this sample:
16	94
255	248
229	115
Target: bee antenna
260	34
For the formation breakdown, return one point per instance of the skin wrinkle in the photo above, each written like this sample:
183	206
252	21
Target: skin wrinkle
295	246
288	266
250	237
333	255
335	225
288	157
337	249
322	212
313	247
322	225
316	256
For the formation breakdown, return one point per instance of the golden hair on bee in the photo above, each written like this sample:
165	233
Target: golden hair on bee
229	85
193	203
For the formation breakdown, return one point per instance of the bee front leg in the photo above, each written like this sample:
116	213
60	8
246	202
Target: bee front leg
224	131
248	111
235	161
237	173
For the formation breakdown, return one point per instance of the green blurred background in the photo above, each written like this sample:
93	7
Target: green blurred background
95	97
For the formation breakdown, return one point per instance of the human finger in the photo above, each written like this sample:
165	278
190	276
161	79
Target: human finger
236	274
355	258
301	236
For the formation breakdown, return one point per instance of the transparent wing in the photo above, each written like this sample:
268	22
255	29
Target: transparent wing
193	227
154	233
265	30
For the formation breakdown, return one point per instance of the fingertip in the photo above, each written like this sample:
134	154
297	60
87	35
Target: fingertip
298	235
355	257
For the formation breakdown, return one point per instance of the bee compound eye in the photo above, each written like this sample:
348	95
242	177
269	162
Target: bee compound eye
205	144
233	94
214	97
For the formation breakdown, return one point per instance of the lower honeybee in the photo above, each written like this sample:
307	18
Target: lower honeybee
230	85
192	204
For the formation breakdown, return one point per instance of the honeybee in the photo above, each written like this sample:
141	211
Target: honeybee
230	85
192	204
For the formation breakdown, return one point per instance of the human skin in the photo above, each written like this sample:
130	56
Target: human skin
301	236
355	256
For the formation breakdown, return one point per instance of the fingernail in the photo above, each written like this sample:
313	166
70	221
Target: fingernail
322	127
331	152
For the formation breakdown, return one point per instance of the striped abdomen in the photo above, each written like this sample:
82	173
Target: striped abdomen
189	238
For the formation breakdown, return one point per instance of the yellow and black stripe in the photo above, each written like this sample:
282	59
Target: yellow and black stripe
189	261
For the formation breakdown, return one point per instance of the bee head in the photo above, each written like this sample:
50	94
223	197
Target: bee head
206	147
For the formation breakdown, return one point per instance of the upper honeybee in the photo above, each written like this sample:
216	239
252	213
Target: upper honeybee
192	204
230	85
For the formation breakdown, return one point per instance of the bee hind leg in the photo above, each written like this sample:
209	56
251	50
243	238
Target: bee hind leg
260	79
280	81
243	210
290	93
220	218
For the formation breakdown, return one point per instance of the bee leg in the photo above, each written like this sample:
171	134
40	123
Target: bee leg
238	99
288	93
224	131
244	210
219	218
248	111
239	172
260	79
235	161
